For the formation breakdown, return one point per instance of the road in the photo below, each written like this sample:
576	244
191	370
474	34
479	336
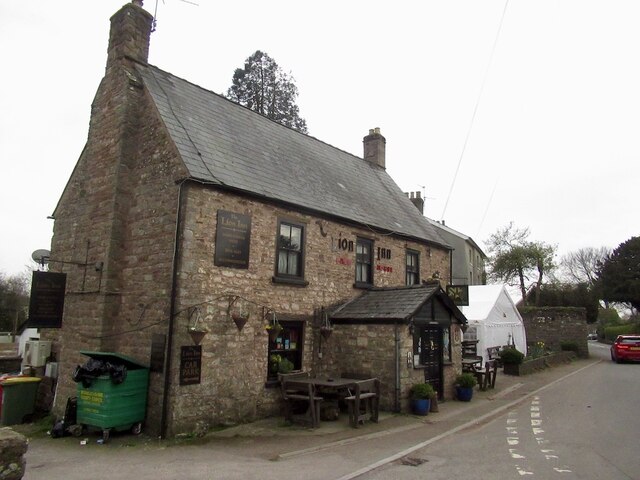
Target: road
585	427
575	421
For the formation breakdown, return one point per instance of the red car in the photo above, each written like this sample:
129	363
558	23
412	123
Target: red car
626	347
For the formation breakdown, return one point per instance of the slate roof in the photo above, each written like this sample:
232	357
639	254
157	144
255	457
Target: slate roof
399	303
230	146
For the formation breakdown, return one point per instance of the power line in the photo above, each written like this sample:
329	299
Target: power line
475	109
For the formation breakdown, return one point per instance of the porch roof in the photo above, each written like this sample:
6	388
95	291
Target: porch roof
393	304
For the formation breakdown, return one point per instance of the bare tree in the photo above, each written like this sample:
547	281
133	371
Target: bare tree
582	265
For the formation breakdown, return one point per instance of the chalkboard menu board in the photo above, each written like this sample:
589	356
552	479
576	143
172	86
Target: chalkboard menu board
190	364
47	299
233	236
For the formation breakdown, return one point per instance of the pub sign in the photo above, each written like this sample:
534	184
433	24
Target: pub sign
233	236
46	304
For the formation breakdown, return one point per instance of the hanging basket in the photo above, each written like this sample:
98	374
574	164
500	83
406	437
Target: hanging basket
197	335
240	319
274	330
326	332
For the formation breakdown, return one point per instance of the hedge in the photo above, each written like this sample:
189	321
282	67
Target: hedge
610	333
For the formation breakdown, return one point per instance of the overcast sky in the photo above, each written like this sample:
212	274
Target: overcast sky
553	146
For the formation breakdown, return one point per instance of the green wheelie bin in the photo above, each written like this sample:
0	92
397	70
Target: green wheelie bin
109	403
17	399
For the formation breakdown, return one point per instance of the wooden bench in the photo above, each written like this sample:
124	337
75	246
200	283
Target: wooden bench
297	389
487	377
364	401
493	353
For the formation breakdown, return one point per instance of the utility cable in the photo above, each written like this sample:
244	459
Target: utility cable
475	109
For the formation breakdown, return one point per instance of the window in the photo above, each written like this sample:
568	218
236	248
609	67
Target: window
364	262
286	345
413	267
290	258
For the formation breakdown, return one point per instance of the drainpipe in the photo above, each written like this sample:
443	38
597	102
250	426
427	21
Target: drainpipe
172	309
397	389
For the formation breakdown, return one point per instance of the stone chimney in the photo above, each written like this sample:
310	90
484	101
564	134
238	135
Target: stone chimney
417	200
374	147
130	33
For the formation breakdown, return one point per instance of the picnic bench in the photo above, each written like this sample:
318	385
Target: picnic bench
297	390
486	376
493	353
364	401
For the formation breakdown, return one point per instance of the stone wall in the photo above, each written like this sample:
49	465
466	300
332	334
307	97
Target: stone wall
553	325
13	447
370	350
330	273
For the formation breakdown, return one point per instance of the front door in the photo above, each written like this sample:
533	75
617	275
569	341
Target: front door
431	340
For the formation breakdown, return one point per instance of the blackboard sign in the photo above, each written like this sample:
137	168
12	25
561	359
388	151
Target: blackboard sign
190	364
47	299
233	235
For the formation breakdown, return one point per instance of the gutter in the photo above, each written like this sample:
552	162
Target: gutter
172	314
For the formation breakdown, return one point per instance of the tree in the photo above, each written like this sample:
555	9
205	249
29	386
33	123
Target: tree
571	295
265	88
14	298
619	274
582	265
514	259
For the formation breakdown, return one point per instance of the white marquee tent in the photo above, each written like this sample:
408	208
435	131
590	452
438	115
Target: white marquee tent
493	319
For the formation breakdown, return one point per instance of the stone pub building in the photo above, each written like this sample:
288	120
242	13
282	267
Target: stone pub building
194	225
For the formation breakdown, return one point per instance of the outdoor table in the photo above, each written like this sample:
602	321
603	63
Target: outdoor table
341	389
470	364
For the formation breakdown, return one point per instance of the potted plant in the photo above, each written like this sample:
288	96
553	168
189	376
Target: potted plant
511	359
464	386
421	395
285	366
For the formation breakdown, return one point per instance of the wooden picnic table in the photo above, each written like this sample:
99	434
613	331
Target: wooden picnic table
343	388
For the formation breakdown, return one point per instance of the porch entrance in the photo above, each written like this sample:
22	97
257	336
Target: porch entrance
431	356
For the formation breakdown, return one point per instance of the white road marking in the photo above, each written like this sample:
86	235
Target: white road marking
522	471
513	440
562	470
514	453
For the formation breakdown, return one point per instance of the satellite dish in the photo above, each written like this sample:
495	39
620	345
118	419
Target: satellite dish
41	256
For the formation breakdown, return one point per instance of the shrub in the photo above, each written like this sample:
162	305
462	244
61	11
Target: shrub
466	380
422	391
285	366
569	346
611	333
511	356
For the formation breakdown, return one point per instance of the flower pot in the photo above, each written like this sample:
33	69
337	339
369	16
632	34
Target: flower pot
326	332
434	403
420	406
464	394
